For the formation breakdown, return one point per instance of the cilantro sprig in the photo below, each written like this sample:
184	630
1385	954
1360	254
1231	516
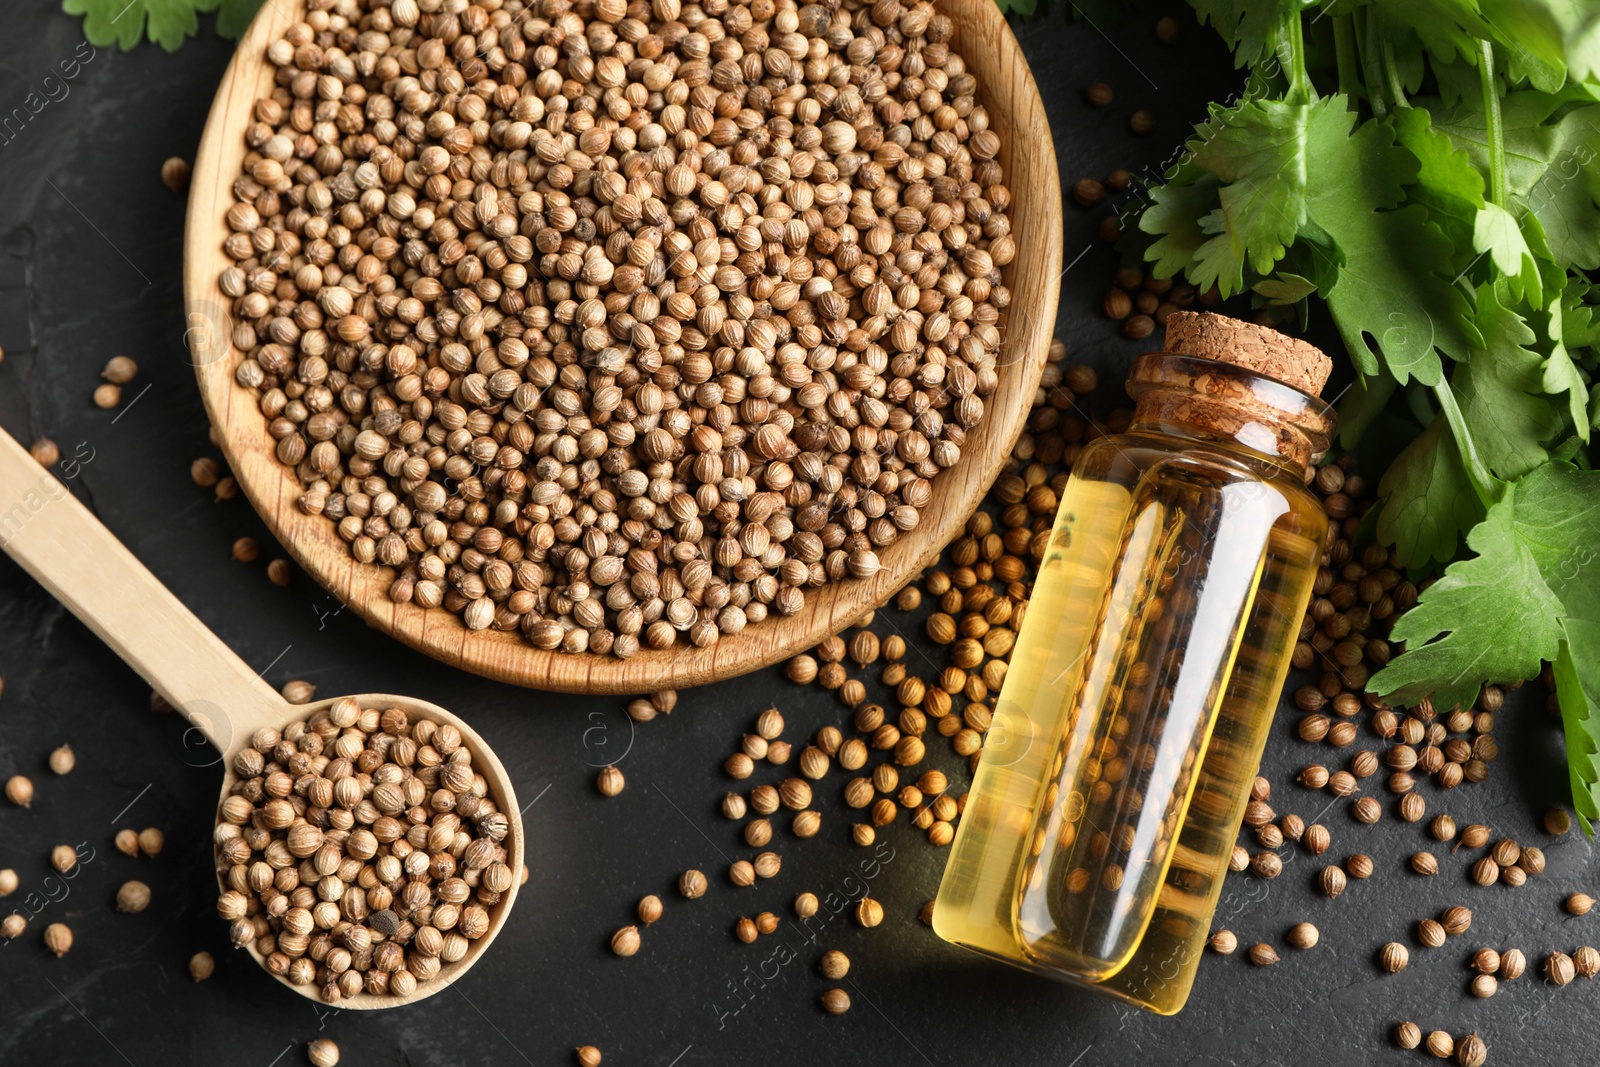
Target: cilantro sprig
167	23
1431	177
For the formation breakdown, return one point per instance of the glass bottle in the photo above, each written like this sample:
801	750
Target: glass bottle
1126	737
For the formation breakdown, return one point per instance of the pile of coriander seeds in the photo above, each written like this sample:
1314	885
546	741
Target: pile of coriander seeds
612	322
360	851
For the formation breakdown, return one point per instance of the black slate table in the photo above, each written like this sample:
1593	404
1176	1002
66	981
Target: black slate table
90	256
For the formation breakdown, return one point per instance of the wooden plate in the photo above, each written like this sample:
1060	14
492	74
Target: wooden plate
1028	156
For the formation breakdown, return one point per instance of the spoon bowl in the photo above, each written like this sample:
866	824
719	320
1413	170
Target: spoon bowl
58	541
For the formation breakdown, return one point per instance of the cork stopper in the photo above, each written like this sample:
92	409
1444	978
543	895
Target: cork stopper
1257	349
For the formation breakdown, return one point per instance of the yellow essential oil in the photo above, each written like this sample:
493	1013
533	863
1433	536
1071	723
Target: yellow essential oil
1126	737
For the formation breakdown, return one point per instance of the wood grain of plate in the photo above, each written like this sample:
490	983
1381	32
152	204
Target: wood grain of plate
1028	155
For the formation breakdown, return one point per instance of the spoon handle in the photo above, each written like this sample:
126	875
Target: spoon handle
70	553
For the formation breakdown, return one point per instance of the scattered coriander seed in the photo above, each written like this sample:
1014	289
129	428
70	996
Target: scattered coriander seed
1314	776
202	966
127	842
62	760
805	905
1331	881
19	791
766	922
834	965
609	781
649	909
13	926
1475	835
1424	863
1512	964
1238	859
1367	810
1557	821
1316	839
1263	955
806	824
1472	1051
1506	852
58	939
298	691
1413	807
739	766
1141	122
769	724
279	572
1485	961
322	1052
625	942
1224	942
175	173
119	370
869	912
1558	968
1393	957
734	806
1483	986
1359	866
1099	94
1443	827
1485	871
757	832
1302	935
742	873
45	452
1430	934
106	396
1293	827
1441	1044
835	1002
1578	904
767	865
63	858
1408	1035
1586	961
745	929
8	881
1531	862
1267	864
1456	920
134	896
151	841
588	1056
925	913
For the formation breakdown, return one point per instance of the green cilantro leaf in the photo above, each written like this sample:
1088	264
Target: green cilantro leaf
1284	288
1389	288
167	23
1578	695
1249	26
1174	214
1495	233
1491	617
1568	327
1499	390
1427	500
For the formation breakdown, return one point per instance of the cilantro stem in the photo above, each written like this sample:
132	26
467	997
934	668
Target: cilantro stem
1397	91
1371	63
1486	486
1344	50
1495	125
1293	43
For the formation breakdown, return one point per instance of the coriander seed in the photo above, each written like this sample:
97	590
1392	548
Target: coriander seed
202	966
1485	871
175	173
1456	920
742	873
805	905
767	865
63	858
1359	866
1471	1051
58	939
19	791
806	824
835	1002
1506	852
733	806
1367	810
1430	934
745	929
62	760
8	881
1331	881
1443	828
1483	986
106	396
1393	957
610	781
869	912
649	909
322	1052
1316	839
1302	935
297	691
151	841
1475	836
1263	955
1441	1044
1486	961
45	452
1557	821
1531	862
1512	964
1224	942
1559	968
1424	863
1586	961
1408	1035
1578	904
588	1056
133	896
834	965
625	942
12	926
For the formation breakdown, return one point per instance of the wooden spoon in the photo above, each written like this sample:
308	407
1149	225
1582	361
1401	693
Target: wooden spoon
57	540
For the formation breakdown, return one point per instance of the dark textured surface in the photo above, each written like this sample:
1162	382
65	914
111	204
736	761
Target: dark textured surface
89	268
